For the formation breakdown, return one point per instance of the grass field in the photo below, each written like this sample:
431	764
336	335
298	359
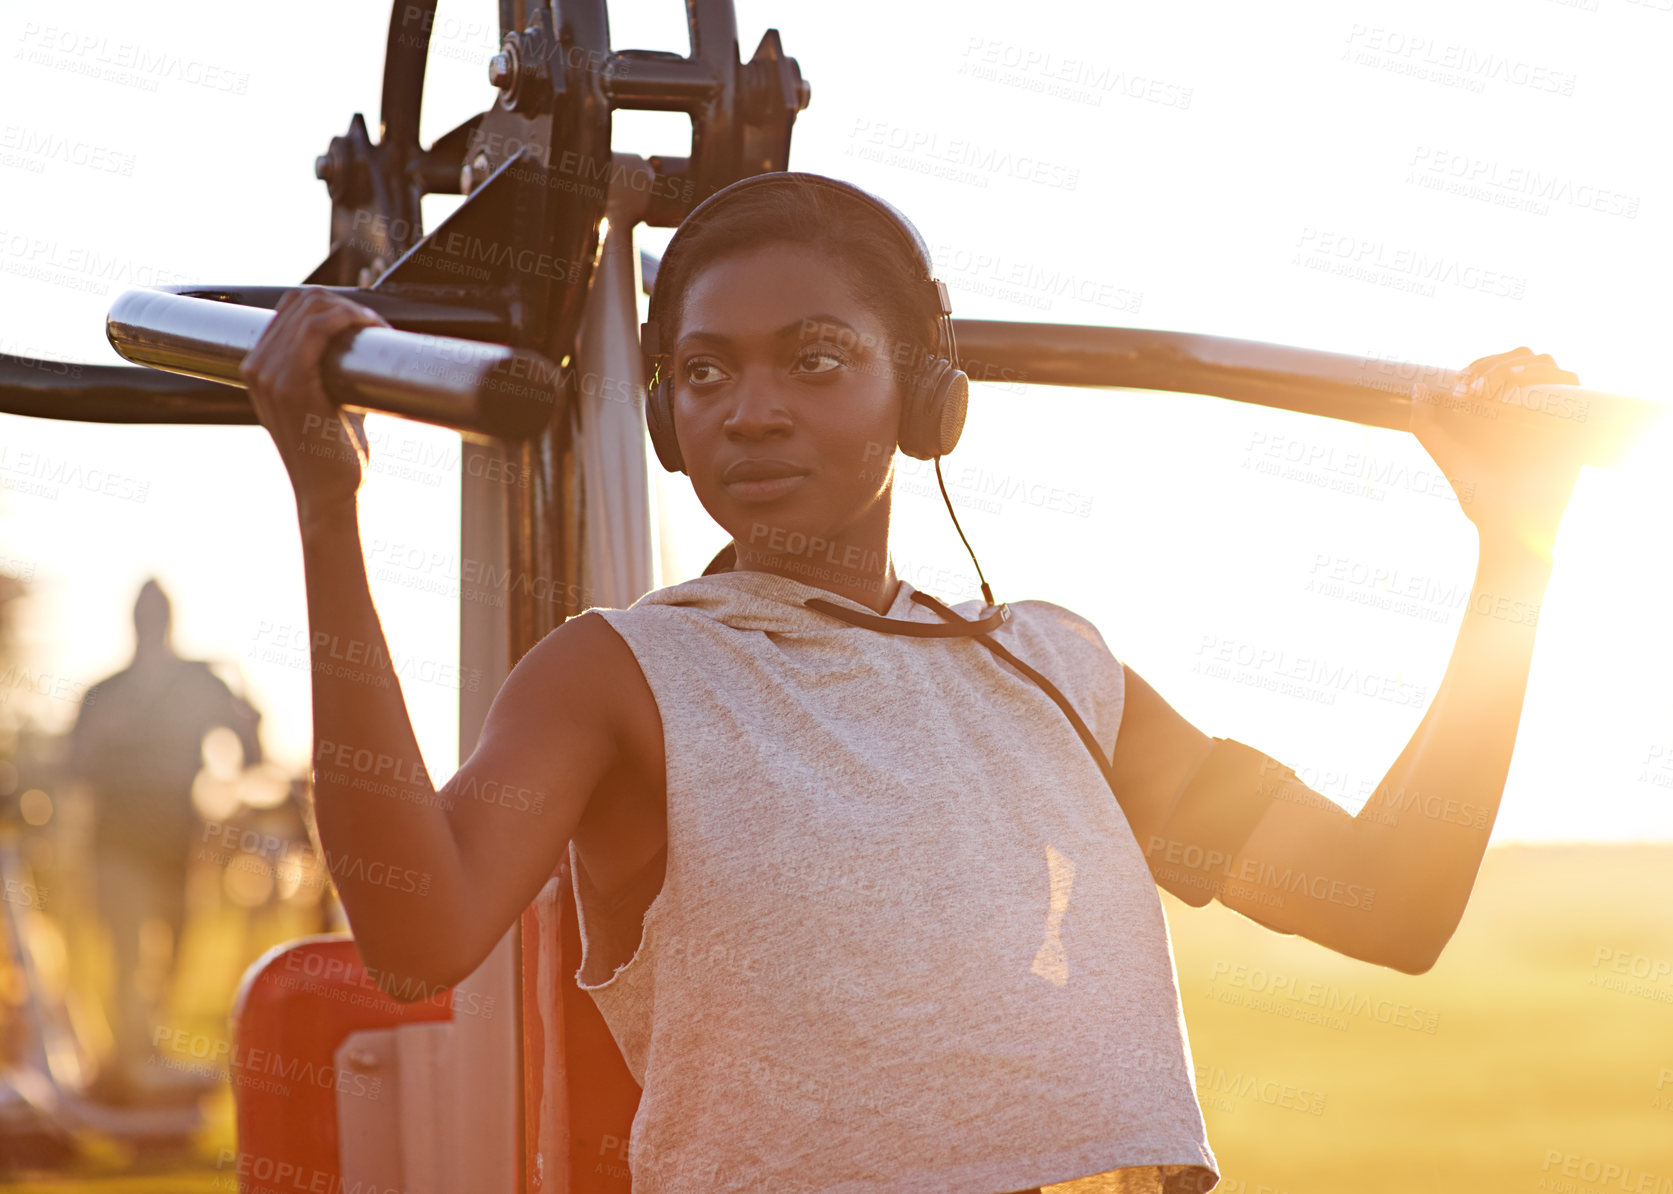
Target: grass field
1536	1056
1513	1065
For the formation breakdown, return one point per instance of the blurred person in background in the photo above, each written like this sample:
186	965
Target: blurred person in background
136	747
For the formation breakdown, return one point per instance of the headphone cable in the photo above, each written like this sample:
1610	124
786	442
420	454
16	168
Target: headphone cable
946	323
987	593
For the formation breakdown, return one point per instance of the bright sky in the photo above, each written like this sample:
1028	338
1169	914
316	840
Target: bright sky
1171	166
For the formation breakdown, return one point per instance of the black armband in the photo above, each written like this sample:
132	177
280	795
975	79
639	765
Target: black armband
1210	821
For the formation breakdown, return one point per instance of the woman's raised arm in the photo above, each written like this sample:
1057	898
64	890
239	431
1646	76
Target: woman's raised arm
430	880
1390	884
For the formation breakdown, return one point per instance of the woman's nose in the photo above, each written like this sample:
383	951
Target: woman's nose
758	408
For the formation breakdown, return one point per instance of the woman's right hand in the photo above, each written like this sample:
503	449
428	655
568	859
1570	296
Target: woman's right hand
324	448
1513	475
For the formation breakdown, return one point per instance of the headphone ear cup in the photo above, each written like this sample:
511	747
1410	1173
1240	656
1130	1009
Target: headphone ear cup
933	417
659	420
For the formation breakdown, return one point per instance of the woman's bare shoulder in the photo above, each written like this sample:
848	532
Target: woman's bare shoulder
584	664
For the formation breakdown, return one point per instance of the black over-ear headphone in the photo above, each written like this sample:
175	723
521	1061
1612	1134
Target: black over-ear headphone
937	392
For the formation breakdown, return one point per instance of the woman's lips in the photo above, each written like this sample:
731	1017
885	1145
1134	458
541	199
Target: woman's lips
762	479
769	489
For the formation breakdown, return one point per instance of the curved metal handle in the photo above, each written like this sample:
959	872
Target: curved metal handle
483	391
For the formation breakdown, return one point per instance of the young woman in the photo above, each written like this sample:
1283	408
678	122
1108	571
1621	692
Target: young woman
901	927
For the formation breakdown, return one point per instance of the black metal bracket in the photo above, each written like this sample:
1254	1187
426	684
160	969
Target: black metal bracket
512	264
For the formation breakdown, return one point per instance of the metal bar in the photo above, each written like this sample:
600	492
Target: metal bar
1365	390
490	1059
71	390
651	80
617	516
406	54
1372	392
475	388
114	394
470	312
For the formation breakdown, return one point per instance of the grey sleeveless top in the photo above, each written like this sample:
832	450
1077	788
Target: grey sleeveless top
906	941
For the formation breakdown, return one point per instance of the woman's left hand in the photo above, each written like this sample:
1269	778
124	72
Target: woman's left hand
1512	466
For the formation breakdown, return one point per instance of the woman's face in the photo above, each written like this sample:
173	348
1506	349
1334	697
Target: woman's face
786	405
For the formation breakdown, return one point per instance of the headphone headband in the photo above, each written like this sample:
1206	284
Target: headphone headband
891	217
935	391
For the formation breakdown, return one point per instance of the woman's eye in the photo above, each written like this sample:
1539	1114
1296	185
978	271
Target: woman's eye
820	360
701	372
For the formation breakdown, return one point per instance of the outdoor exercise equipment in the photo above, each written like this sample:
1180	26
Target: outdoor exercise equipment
515	323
